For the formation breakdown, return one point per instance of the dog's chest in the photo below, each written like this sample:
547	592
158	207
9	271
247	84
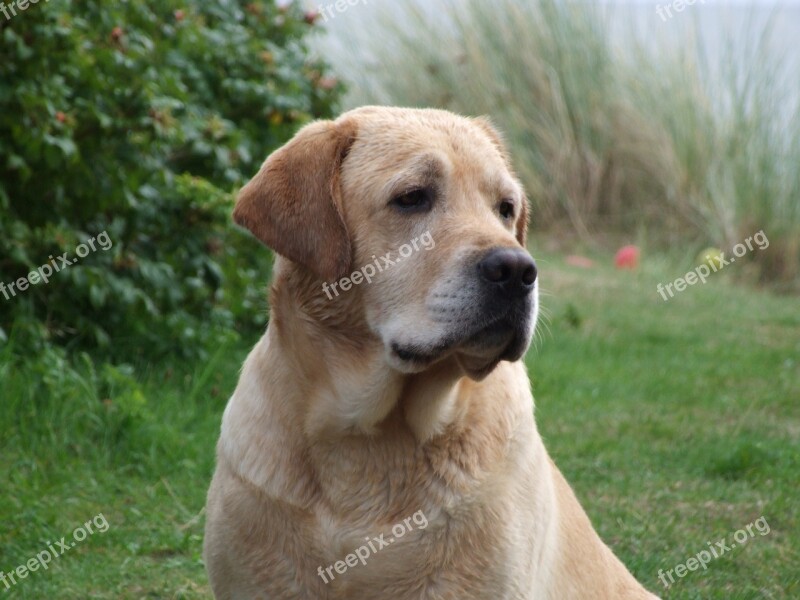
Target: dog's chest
413	521
429	552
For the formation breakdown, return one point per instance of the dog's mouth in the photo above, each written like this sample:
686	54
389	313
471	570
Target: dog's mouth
478	350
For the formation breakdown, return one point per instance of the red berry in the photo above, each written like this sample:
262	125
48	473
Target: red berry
627	257
327	83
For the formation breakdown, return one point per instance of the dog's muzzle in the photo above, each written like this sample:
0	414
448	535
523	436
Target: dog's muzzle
508	282
488	317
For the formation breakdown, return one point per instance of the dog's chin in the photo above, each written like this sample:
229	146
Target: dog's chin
477	354
479	358
476	368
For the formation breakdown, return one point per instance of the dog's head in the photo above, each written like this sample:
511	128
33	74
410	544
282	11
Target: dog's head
419	213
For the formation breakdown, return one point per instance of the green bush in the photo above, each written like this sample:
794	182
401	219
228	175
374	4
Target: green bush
139	119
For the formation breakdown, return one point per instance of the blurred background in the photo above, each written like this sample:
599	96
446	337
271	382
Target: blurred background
652	137
678	127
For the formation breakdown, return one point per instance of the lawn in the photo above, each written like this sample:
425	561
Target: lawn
677	423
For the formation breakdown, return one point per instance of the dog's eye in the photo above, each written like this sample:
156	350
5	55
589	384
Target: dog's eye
419	200
507	209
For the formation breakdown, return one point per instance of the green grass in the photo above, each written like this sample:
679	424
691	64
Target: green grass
64	462
676	422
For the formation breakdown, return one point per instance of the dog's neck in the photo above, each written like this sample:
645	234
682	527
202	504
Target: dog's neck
349	387
313	387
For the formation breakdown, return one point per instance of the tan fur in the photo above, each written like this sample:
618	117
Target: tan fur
330	438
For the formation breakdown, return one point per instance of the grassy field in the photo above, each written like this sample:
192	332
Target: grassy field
678	423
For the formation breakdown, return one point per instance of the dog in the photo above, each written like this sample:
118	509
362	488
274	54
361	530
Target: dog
380	442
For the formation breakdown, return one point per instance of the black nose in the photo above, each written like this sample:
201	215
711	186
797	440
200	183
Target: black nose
511	269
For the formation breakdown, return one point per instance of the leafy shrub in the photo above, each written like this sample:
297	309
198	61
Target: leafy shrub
139	119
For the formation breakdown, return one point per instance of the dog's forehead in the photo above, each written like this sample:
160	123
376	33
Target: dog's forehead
401	136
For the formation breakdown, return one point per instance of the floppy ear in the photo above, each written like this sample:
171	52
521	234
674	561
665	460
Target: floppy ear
497	140
294	204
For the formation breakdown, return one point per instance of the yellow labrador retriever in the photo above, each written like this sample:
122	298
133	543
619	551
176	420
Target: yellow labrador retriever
381	442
